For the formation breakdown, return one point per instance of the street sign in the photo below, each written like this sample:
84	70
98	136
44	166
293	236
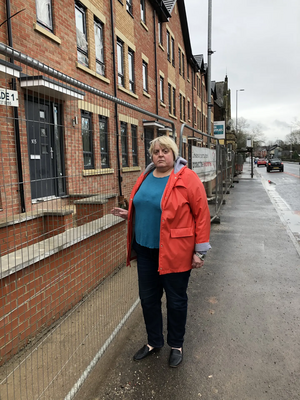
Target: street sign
9	98
219	129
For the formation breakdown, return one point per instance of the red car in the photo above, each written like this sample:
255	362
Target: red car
261	161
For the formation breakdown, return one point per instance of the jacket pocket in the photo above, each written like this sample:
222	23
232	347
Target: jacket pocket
182	232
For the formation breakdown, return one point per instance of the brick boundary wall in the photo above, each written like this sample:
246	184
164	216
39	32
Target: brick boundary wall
36	296
28	231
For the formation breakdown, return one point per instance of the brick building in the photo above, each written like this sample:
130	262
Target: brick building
222	111
137	51
70	151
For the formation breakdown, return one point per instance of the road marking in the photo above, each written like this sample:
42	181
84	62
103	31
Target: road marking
289	218
294	175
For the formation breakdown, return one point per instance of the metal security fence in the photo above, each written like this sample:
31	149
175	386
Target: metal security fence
214	164
69	153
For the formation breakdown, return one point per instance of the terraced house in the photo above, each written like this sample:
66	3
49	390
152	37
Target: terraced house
85	86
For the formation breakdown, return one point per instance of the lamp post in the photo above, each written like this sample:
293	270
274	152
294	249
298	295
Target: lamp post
236	108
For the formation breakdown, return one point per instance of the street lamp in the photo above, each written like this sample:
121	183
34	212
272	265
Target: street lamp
236	109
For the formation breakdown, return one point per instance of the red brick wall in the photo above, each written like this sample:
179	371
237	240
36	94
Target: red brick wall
26	233
36	296
88	212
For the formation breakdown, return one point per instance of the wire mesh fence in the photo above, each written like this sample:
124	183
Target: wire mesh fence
69	153
214	164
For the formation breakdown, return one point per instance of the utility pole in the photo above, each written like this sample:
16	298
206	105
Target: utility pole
209	105
209	53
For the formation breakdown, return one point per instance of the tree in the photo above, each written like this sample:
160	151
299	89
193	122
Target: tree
293	137
258	137
241	133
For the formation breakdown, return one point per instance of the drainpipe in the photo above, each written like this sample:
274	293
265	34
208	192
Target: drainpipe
155	62
193	80
16	117
115	95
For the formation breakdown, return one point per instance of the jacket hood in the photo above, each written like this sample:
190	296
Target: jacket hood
179	163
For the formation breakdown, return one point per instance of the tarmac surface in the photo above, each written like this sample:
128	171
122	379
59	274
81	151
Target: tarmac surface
243	328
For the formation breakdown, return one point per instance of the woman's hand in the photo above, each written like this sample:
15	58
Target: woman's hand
119	212
197	262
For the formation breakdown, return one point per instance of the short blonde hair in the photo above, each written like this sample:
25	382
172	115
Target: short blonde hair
166	142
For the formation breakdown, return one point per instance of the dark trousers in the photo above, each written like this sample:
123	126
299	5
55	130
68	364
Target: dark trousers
151	287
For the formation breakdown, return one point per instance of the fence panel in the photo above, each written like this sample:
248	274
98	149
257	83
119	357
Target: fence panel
69	153
211	161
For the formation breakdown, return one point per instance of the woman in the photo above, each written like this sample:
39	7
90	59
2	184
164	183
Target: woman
168	233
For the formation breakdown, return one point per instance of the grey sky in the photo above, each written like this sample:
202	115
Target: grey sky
257	43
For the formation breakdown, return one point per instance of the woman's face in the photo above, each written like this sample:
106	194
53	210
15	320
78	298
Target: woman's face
163	158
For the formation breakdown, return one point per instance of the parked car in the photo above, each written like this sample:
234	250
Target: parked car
275	164
261	161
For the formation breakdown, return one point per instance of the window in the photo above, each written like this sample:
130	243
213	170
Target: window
120	63
161	89
179	60
170	98
100	67
189	110
173	51
44	13
168	46
129	6
82	45
143	11
124	144
131	69
188	71
160	37
134	145
103	142
182	65
87	140
180	106
145	76
174	101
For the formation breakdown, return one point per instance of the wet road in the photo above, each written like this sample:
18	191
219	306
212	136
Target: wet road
287	183
283	189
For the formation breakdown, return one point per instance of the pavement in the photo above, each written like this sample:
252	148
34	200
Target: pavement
243	328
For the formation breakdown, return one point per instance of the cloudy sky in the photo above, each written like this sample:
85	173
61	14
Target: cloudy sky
257	44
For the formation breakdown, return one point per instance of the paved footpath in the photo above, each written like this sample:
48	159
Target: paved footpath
242	340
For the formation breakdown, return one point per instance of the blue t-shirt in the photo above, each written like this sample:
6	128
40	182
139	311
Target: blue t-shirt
147	203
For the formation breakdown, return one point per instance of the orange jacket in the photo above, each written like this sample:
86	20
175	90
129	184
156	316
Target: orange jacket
185	221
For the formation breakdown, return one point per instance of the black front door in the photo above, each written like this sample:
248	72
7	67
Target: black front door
42	131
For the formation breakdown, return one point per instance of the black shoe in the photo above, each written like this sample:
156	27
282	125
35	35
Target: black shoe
143	353
176	357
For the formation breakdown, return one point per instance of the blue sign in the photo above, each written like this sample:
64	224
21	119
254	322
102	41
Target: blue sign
219	129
